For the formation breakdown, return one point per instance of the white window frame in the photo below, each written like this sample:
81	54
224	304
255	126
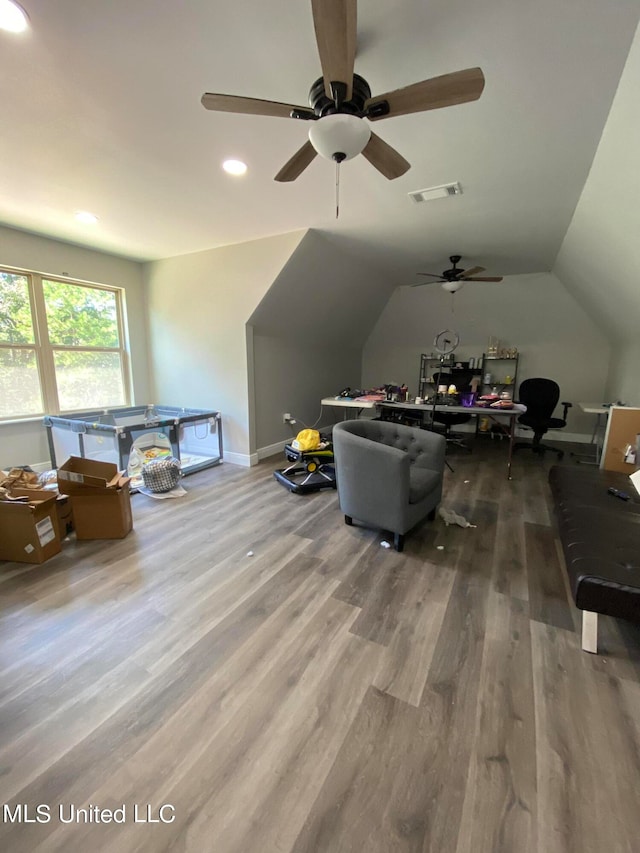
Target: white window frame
45	350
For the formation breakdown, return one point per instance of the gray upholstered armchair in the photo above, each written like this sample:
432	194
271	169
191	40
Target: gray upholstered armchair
388	475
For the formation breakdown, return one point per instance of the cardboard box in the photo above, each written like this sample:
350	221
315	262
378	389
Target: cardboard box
99	496
79	474
29	530
65	516
102	513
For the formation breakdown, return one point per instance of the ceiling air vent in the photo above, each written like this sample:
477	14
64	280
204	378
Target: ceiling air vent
429	194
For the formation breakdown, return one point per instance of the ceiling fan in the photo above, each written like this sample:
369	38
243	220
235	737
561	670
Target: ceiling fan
453	279
340	100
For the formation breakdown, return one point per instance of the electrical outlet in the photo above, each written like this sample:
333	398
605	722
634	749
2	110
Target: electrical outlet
286	418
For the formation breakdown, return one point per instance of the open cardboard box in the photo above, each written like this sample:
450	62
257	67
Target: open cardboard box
99	496
77	474
29	529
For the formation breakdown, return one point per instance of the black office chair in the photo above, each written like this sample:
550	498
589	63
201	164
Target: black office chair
541	396
450	419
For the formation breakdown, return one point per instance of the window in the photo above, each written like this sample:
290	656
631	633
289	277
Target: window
61	346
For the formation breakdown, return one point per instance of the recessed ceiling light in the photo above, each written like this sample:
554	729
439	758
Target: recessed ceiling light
234	167
86	217
12	17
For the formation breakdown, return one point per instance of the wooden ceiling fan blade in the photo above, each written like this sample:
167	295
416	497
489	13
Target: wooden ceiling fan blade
385	158
486	278
297	164
248	106
335	23
472	271
445	91
431	275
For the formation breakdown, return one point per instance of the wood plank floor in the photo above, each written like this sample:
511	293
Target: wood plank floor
325	694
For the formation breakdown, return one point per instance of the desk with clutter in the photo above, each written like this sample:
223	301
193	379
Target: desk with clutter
495	411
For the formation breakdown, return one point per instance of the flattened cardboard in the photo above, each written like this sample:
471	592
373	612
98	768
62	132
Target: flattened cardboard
29	531
77	475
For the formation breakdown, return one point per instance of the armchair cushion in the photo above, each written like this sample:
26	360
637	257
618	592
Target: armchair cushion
422	482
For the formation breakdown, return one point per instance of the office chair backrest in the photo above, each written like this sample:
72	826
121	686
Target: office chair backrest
540	396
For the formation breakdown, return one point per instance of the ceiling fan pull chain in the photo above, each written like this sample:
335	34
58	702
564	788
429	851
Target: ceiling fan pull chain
337	188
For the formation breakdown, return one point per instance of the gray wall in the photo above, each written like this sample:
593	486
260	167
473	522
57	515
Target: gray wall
535	313
291	377
198	307
307	335
599	260
25	443
623	383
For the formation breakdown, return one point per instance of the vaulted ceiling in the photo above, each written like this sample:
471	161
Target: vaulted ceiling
101	112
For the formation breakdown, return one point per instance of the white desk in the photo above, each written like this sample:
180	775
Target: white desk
598	410
425	408
348	403
478	411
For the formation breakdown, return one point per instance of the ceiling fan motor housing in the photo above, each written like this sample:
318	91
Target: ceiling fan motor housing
454	272
322	105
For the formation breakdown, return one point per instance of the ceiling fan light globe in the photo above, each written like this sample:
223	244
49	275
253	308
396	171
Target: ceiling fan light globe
339	136
451	286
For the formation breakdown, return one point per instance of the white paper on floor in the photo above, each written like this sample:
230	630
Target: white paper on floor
176	492
451	517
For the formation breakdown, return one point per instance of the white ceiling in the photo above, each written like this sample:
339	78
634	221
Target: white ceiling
101	111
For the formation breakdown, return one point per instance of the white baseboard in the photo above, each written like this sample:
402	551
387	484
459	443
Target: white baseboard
521	432
272	449
245	459
248	460
554	435
278	446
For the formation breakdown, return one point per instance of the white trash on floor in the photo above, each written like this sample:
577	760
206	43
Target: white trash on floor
176	492
451	517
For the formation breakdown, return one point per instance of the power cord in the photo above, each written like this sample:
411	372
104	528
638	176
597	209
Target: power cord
306	426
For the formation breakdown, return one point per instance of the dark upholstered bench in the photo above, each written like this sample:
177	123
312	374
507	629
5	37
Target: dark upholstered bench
600	536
